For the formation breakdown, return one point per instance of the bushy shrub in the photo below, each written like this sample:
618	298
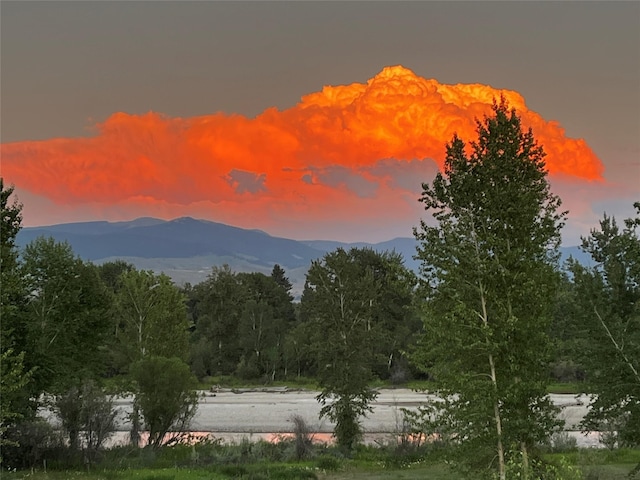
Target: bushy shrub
165	397
33	442
534	468
561	442
87	416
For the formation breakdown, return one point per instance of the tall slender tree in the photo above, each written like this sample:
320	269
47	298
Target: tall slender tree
13	374
339	298
354	305
489	270
12	293
607	323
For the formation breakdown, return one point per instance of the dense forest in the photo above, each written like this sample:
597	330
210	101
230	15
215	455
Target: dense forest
491	316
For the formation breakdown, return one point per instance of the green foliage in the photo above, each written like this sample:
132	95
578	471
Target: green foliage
279	275
216	305
352	303
110	273
266	316
328	463
213	460
339	298
165	397
13	379
14	375
607	324
489	270
151	317
241	323
32	440
519	468
66	319
12	293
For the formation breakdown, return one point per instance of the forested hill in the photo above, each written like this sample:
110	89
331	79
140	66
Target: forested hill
186	248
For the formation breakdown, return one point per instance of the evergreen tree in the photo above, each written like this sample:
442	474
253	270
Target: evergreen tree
279	275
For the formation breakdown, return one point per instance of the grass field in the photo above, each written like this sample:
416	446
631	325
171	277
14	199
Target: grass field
368	464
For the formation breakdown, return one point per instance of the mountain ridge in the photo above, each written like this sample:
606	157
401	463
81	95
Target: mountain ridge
187	248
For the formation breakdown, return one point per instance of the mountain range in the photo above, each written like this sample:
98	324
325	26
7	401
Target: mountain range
186	248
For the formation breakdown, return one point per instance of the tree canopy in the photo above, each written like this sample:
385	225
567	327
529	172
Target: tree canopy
607	324
352	300
489	277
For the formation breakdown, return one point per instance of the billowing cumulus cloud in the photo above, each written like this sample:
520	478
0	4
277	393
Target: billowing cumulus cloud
344	156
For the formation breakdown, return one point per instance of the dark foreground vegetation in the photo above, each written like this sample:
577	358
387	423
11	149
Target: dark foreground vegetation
299	458
490	322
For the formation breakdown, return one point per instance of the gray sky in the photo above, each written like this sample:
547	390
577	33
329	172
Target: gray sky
67	65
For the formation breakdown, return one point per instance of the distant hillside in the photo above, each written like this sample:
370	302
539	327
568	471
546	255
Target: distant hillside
186	248
180	238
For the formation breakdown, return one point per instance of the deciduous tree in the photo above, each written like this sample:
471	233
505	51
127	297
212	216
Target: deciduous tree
13	375
267	315
151	317
165	396
608	324
216	306
489	268
65	317
343	301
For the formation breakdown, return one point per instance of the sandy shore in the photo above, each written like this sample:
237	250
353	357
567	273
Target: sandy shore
233	415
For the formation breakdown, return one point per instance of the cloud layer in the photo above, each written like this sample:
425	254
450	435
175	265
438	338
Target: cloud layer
350	156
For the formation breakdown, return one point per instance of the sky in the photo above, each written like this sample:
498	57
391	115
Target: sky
308	120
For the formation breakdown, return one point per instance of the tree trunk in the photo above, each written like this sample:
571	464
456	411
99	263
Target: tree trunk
492	373
525	461
498	420
496	406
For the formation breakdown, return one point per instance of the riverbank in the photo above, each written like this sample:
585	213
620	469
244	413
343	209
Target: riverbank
266	413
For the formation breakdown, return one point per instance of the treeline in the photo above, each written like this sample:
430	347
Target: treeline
65	320
72	319
490	320
70	326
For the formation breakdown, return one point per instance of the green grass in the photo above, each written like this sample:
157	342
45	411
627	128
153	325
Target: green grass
568	388
263	460
348	470
418	472
437	472
602	464
137	474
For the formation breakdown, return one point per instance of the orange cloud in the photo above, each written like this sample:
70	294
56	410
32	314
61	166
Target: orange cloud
366	145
